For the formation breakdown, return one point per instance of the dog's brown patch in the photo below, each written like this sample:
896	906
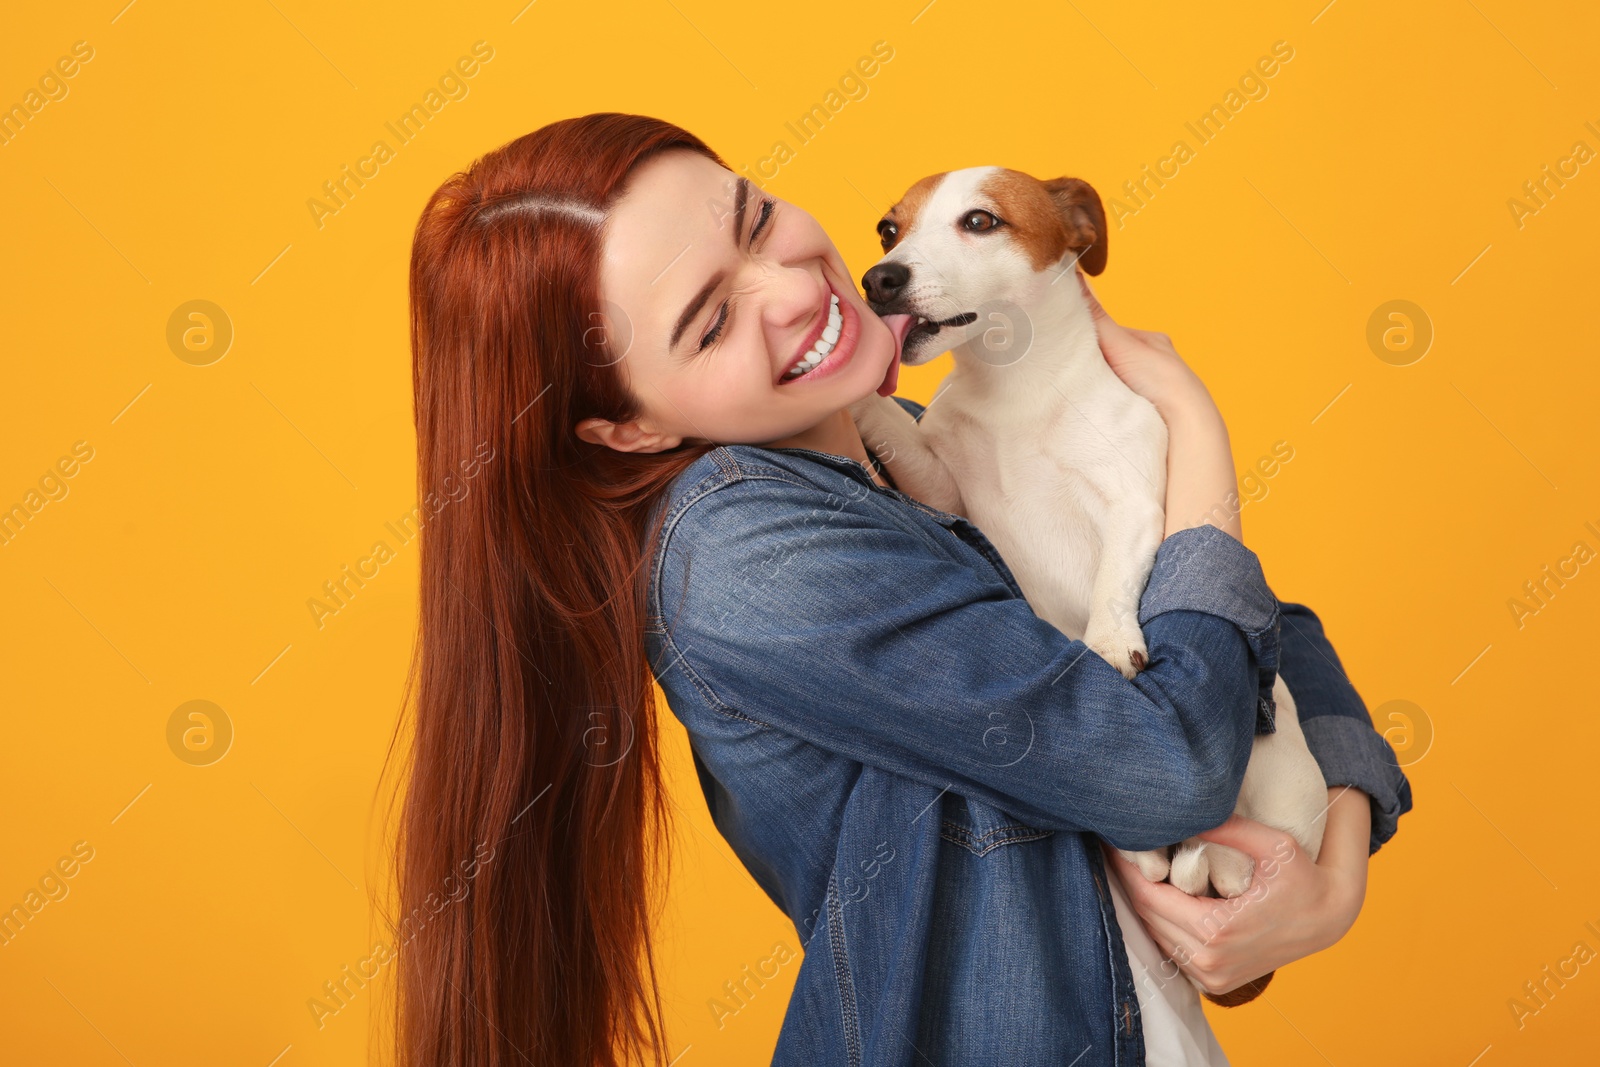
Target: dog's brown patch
905	213
1036	224
1051	218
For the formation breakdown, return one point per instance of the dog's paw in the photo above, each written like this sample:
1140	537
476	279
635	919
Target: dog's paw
1191	867
1122	647
1152	863
1198	866
1231	870
863	411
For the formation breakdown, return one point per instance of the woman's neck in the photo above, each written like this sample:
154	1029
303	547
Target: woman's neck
836	435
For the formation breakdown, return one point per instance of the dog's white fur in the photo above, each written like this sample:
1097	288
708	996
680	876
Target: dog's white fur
1053	457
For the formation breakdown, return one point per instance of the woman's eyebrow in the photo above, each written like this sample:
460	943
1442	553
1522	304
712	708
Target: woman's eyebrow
741	198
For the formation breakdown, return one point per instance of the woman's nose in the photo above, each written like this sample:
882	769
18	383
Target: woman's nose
794	297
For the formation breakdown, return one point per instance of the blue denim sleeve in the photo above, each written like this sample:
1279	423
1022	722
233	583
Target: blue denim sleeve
1337	726
831	621
910	405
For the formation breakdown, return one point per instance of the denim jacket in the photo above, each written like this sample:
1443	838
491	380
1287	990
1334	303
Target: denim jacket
915	767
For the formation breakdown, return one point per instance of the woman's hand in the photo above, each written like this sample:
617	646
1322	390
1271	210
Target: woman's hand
1148	363
1201	485
1294	906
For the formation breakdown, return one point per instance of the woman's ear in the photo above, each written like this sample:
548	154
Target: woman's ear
595	431
624	436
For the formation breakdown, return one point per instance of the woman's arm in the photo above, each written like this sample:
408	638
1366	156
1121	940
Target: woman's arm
1294	907
1291	917
1336	723
1199	459
1199	466
831	618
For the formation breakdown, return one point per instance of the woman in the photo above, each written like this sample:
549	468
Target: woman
914	766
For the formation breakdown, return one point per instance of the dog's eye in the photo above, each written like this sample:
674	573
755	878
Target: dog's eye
887	232
979	221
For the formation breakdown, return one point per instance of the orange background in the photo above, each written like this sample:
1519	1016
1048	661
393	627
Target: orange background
1378	166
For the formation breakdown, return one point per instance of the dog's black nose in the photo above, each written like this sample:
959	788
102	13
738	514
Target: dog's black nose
884	282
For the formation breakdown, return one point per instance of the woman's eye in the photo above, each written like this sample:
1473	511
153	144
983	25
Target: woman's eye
979	221
716	329
767	208
763	217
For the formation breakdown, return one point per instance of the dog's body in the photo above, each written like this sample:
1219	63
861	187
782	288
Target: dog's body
1036	440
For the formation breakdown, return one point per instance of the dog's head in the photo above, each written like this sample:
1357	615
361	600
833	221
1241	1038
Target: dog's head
984	236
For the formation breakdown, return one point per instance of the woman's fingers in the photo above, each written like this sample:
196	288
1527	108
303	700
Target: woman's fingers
1256	839
1158	340
1105	324
1172	910
1190	931
1145	898
1088	295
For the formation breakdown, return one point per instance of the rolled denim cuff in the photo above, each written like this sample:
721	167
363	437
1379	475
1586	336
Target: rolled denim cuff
1203	568
1353	753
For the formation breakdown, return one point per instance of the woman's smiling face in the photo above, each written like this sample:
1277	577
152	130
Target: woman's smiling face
722	289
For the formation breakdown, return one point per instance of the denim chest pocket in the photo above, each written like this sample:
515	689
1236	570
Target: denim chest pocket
980	828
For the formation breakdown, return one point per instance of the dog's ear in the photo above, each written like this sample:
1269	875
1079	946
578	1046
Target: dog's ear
1085	219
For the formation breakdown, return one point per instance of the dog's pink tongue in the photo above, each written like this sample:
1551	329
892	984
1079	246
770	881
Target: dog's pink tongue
899	325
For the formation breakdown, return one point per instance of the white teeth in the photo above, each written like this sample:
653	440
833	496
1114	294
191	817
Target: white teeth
825	343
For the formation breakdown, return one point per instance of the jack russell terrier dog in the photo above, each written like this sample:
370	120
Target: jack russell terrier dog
1034	438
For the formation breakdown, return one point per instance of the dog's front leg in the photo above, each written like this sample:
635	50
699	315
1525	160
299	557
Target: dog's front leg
1128	542
891	433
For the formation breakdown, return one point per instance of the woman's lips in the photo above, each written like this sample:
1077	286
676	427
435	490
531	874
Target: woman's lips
849	338
817	330
844	349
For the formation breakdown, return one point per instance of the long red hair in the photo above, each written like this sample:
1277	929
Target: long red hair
530	844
